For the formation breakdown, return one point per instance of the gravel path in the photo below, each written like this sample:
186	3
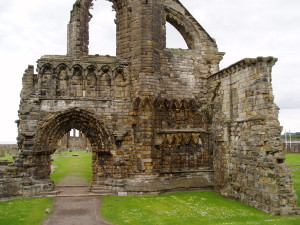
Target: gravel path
75	207
76	211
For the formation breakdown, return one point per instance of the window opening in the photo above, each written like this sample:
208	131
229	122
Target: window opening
102	29
174	38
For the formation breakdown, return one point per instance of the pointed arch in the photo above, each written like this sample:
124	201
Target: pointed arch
147	103
52	130
193	33
136	103
193	104
47	68
175	104
77	70
62	69
166	104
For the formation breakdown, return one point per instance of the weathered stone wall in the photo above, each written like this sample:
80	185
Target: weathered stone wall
248	136
73	142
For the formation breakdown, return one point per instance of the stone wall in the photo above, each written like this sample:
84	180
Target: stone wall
251	166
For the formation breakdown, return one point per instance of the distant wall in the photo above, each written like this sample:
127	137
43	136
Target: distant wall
293	148
8	149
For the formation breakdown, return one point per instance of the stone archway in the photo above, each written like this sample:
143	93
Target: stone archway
51	131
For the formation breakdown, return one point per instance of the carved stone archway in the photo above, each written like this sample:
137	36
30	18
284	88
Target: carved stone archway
53	130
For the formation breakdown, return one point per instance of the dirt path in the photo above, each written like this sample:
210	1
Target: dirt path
76	211
76	207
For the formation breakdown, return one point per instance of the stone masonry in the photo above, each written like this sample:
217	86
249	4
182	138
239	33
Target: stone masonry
157	119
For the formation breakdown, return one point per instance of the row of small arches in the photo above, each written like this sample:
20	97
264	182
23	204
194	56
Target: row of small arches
179	139
165	104
78	70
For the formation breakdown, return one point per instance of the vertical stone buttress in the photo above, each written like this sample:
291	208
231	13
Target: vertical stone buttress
139	32
78	29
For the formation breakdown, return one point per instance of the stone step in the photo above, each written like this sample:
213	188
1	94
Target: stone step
100	190
49	193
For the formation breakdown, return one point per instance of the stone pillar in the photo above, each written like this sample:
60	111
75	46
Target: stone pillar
139	32
78	29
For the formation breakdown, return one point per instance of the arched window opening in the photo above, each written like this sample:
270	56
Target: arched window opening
74	133
174	38
102	29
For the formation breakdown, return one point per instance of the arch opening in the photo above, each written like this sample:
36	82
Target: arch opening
89	126
102	29
174	39
182	29
72	163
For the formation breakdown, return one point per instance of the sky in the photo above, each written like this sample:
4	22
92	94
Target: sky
242	29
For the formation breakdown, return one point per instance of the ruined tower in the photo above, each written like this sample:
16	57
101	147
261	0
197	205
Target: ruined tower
157	119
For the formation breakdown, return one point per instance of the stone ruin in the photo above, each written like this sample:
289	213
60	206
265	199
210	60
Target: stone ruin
157	119
73	141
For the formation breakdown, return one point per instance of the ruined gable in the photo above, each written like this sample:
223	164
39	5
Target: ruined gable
157	119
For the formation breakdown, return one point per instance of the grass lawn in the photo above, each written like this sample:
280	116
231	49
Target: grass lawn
192	208
68	165
294	159
7	157
24	211
186	208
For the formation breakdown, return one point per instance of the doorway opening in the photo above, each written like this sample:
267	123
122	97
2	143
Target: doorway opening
71	163
96	157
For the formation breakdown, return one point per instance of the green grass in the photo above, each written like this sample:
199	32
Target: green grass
68	165
294	159
7	157
192	208
24	211
186	208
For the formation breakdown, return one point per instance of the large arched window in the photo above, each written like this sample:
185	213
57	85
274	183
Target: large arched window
174	39
102	29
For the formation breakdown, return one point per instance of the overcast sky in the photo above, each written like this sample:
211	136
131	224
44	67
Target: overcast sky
242	29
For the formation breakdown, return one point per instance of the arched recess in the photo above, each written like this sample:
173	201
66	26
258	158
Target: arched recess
52	131
192	32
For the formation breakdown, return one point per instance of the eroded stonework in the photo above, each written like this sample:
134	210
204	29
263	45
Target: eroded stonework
157	119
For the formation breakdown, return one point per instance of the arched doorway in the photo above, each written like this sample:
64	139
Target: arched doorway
51	132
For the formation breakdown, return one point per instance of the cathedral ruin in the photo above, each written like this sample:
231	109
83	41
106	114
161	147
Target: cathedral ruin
156	119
